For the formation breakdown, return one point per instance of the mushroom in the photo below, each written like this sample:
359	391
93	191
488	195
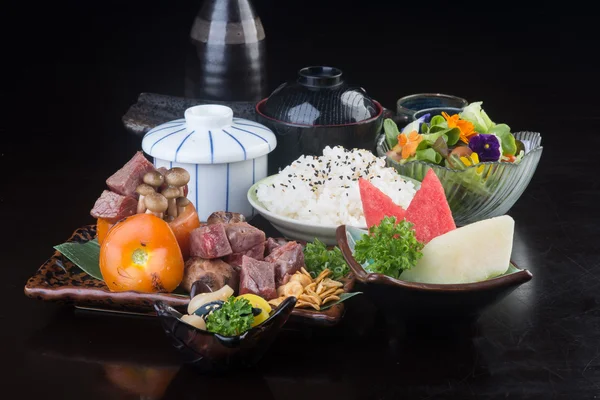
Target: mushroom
171	193
182	203
143	190
156	204
177	177
154	179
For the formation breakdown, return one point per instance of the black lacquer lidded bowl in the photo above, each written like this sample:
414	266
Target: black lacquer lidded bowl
318	109
320	97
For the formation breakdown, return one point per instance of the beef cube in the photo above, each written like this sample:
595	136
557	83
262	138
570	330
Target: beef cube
113	206
209	241
272	244
243	236
288	259
257	277
130	176
213	273
225	217
257	252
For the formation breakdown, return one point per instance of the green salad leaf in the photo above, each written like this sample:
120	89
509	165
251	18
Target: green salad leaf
507	140
391	132
390	248
438	120
429	155
317	258
233	318
474	114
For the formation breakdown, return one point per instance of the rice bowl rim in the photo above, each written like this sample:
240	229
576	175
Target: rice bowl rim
258	206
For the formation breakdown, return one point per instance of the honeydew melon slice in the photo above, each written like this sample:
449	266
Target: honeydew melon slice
472	253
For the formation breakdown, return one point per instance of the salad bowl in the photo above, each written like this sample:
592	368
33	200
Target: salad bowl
209	351
480	191
434	302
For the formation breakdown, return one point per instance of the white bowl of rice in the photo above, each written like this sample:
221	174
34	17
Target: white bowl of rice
312	196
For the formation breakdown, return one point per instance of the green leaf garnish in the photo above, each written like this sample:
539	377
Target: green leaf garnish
429	155
390	248
438	120
232	319
85	255
343	297
441	147
391	132
317	258
452	136
507	140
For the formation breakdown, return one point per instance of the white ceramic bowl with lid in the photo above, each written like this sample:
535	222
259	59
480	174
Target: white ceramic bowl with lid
223	155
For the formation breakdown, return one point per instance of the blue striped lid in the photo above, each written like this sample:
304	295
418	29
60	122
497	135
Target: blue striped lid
209	134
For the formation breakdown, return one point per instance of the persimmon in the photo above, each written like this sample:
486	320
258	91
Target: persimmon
183	225
102	228
141	253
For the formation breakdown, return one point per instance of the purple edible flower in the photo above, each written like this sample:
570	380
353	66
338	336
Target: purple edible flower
486	146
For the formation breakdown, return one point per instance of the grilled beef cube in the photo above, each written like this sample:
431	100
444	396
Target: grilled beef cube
213	273
209	241
243	236
225	217
257	252
130	176
288	259
272	244
257	277
113	206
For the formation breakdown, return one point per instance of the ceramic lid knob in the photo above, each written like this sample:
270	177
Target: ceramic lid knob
208	116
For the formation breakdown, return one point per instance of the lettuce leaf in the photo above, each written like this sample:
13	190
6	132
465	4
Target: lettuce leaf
428	155
507	140
474	114
391	132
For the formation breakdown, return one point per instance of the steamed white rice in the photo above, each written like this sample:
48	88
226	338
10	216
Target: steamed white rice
324	190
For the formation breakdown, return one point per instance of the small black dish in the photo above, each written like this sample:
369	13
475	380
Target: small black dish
212	352
319	109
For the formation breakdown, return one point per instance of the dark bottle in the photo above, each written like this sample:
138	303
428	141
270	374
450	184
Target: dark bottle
227	55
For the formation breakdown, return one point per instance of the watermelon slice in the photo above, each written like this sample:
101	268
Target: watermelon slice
376	204
429	210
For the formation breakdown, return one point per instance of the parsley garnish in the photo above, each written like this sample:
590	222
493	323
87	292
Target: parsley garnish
390	248
232	319
317	258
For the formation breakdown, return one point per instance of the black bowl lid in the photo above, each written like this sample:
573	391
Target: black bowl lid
319	97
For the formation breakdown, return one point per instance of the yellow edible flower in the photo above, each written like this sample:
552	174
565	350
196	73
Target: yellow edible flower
472	160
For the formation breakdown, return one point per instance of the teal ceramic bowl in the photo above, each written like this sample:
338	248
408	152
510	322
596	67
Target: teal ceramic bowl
433	302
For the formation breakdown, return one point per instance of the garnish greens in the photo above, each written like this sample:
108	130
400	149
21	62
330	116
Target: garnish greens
317	257
390	248
232	319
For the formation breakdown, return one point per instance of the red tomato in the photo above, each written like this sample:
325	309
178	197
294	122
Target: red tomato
141	253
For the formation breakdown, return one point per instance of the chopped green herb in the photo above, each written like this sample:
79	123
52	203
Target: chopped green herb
233	318
390	248
317	258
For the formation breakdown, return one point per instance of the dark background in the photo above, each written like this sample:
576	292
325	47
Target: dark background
73	68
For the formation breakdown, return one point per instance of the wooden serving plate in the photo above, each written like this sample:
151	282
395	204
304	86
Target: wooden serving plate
59	280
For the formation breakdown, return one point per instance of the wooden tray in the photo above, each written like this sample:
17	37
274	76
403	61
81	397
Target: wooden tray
59	280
